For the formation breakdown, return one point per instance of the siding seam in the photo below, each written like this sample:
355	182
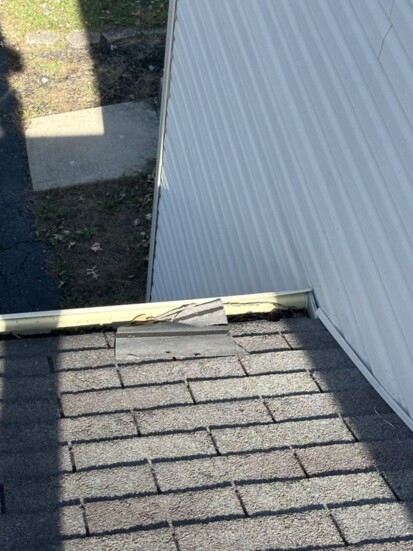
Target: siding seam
384	37
391	9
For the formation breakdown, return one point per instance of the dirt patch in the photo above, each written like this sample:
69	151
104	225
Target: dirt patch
99	239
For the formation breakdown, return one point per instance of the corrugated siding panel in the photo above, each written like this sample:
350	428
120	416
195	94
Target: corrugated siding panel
401	17
288	163
399	70
387	6
375	21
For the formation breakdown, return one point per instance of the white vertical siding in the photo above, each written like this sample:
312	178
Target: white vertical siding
288	162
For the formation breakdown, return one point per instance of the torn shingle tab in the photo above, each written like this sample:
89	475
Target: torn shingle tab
165	347
189	331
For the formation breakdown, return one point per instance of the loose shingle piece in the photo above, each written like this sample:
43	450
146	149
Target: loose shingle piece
283	445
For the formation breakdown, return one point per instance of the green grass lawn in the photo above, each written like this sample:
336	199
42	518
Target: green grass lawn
19	17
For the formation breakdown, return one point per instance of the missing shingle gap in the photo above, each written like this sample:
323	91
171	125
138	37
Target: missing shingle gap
84	516
122	384
239	497
72	457
155	478
214	443
135	422
2	500
60	406
51	364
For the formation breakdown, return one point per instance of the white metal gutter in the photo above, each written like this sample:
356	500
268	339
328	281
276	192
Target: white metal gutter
44	322
166	81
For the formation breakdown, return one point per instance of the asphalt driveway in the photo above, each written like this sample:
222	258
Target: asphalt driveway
24	284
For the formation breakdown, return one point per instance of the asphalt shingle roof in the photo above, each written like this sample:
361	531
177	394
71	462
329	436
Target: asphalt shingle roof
288	447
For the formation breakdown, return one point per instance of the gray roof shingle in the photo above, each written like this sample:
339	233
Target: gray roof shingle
287	447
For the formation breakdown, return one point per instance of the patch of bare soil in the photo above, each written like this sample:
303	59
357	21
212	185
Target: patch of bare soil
99	238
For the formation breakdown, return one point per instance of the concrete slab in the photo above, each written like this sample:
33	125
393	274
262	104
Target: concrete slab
82	39
42	38
91	145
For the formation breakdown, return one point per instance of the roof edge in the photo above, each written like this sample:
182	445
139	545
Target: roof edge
44	322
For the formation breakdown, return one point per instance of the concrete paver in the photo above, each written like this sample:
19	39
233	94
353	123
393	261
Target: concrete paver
92	145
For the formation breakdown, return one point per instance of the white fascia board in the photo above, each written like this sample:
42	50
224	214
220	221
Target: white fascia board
44	322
